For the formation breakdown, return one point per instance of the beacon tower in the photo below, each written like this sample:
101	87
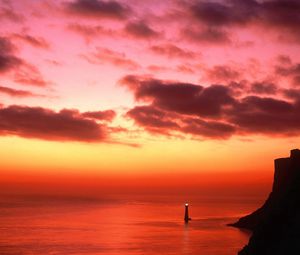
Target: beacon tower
186	213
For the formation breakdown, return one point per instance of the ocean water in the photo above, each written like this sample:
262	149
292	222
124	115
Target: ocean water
121	225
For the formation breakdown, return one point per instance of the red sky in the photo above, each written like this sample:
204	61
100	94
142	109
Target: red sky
148	88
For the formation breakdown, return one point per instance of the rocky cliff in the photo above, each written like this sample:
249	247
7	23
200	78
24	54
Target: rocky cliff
276	225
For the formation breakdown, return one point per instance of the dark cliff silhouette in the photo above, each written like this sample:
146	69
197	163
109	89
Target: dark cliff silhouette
276	225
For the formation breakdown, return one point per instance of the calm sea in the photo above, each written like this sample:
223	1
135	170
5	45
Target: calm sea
121	225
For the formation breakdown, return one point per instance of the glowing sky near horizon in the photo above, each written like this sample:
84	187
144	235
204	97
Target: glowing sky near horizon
148	87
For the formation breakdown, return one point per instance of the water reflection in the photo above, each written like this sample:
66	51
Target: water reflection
186	239
127	228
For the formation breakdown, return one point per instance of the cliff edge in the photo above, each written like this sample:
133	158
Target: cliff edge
276	225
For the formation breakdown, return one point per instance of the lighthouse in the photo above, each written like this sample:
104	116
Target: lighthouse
186	213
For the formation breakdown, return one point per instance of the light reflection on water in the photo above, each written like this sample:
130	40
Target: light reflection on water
119	227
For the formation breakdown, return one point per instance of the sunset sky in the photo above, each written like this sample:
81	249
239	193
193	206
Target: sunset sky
148	89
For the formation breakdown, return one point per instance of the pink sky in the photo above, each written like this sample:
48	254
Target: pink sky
135	80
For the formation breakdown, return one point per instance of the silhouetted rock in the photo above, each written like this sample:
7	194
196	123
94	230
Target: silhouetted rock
276	225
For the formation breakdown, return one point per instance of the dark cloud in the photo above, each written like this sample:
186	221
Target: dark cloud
6	46
23	72
18	93
7	12
8	61
103	55
293	94
216	111
207	35
42	123
38	42
173	51
211	129
89	32
97	9
297	80
239	88
30	75
263	104
140	30
263	88
245	87
232	12
108	115
292	71
152	119
186	68
222	73
284	59
148	88
269	116
158	121
185	98
280	15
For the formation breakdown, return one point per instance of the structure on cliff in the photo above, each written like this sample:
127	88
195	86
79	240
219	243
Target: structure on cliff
276	225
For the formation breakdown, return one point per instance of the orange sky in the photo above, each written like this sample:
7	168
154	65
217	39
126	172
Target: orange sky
133	92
